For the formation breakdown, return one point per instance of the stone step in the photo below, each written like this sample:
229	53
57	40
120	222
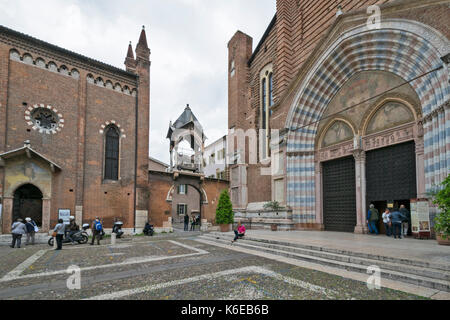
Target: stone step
404	261
420	271
412	278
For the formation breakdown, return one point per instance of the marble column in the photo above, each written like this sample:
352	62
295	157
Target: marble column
360	176
420	166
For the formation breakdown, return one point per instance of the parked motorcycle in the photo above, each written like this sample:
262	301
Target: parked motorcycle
80	236
148	230
117	229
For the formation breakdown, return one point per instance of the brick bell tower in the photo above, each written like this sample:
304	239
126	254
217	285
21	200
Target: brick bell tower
141	67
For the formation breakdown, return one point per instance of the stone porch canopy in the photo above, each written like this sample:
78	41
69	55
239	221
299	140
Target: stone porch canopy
29	152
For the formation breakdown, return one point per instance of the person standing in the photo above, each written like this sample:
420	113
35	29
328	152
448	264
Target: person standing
186	222
60	229
192	223
73	228
372	219
387	222
30	225
18	229
397	217
407	221
97	229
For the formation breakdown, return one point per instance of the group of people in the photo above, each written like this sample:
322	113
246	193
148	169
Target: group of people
193	220
29	228
396	221
19	228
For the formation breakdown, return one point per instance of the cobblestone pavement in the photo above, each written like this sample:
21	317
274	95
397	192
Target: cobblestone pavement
172	267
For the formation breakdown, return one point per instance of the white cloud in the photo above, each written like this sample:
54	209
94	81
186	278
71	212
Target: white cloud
188	39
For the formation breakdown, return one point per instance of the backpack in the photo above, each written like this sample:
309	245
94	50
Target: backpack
374	215
98	226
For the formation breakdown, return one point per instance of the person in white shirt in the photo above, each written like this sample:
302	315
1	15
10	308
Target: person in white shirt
387	222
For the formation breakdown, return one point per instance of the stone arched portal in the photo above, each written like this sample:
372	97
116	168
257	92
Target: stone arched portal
28	203
408	50
164	184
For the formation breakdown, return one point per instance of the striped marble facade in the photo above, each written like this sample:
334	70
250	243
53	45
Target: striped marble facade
405	48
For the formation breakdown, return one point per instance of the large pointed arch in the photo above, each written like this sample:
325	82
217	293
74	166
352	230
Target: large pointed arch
405	48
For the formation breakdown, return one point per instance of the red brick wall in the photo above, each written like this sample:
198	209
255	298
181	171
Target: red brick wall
79	148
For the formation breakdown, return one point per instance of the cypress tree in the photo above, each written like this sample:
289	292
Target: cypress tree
224	211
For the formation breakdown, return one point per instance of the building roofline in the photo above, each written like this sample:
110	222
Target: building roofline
77	56
264	37
159	162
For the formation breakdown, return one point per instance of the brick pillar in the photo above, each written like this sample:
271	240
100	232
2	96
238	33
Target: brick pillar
360	175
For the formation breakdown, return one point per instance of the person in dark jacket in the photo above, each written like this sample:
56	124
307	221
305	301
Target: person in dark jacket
372	219
186	222
30	225
397	217
407	221
72	229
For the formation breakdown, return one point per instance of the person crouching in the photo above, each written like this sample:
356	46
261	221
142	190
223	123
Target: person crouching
240	232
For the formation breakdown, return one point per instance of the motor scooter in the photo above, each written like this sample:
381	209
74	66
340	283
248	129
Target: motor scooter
117	229
80	236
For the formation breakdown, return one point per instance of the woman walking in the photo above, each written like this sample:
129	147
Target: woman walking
58	232
387	222
18	229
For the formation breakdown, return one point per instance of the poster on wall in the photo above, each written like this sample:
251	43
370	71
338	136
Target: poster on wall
65	215
420	218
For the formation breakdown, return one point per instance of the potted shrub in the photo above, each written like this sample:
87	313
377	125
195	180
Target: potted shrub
224	212
442	220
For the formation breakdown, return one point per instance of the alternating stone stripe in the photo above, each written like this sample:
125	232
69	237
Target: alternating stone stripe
404	53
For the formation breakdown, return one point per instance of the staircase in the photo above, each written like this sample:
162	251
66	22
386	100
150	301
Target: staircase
420	273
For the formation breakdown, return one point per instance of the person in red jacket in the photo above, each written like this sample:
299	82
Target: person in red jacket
240	232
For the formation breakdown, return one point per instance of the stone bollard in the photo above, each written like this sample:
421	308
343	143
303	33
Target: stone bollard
55	243
113	238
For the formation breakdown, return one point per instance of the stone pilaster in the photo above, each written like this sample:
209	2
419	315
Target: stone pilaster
420	161
319	193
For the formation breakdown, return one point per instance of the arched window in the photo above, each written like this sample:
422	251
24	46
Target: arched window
267	101
264	118
112	142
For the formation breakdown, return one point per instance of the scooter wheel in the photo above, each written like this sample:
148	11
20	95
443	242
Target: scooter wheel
51	242
84	239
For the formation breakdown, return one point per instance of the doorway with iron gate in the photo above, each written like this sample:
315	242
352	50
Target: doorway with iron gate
28	203
391	177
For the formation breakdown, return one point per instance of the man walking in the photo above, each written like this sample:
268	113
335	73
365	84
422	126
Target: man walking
372	219
186	222
97	229
407	221
30	225
18	229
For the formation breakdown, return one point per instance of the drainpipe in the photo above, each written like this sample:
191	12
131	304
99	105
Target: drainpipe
136	155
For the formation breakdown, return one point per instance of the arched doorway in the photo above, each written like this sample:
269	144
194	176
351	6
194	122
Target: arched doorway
28	203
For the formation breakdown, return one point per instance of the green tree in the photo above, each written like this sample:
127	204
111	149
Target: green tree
442	220
224	211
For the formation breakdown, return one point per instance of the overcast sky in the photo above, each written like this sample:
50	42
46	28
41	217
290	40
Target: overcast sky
188	40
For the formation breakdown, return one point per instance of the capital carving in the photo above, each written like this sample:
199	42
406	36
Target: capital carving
359	155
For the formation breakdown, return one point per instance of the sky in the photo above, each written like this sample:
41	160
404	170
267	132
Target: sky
188	41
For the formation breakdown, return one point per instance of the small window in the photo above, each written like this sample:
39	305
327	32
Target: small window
182	189
270	89
182	209
112	153
232	69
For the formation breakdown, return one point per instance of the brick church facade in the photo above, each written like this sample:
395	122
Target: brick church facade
74	134
361	111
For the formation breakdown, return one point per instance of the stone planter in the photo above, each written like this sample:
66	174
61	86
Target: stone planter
442	241
225	227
